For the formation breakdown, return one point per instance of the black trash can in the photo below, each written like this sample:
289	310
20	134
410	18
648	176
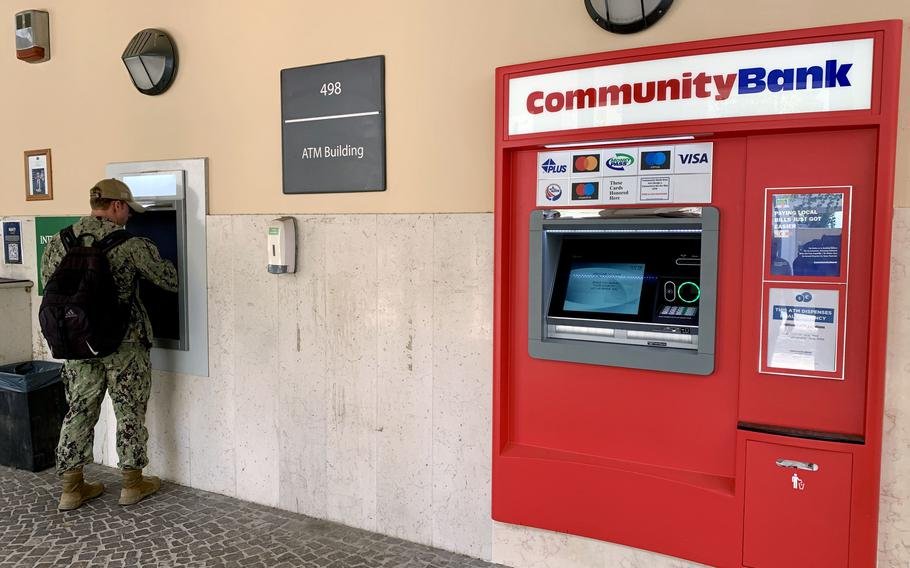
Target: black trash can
32	407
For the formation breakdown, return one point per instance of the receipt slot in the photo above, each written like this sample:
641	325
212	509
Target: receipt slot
631	288
174	194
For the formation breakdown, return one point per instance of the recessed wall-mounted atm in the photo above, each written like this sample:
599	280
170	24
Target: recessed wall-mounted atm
174	195
630	287
162	193
691	242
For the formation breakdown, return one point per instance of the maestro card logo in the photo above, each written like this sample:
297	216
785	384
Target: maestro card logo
553	192
586	191
585	163
655	160
550	166
620	161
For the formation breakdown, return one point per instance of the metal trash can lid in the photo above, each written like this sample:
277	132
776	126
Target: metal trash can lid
29	376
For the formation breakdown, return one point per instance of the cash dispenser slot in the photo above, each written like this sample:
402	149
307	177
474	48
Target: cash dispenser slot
162	193
628	288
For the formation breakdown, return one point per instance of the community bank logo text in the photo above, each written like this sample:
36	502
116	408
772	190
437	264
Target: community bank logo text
746	81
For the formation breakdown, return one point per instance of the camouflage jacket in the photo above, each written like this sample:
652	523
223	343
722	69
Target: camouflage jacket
133	259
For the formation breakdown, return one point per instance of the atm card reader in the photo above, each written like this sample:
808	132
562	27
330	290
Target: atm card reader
631	291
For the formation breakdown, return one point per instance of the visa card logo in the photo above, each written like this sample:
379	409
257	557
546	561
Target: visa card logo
701	158
551	167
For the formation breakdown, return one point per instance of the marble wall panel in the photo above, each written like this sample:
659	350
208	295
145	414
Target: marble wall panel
255	355
405	376
349	340
168	422
212	421
302	367
462	382
894	511
534	548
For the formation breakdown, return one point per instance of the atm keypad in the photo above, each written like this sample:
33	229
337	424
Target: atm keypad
678	311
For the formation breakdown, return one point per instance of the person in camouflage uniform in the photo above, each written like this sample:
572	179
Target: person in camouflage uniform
126	373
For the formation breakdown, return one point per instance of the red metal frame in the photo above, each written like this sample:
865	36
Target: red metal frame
531	484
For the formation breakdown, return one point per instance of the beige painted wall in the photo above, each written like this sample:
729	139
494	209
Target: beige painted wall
440	61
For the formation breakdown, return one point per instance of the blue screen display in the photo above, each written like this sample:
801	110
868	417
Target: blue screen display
603	287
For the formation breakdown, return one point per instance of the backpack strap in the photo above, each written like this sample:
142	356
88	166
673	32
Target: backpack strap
68	237
113	240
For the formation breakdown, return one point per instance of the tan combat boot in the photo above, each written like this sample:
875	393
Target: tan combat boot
76	491
136	487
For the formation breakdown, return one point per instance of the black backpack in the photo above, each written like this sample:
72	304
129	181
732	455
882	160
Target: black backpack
80	315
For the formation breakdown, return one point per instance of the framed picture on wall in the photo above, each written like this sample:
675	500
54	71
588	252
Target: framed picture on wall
38	178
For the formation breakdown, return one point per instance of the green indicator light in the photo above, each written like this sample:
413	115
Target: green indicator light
697	292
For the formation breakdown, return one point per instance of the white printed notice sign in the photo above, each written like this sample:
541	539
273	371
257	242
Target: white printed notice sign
803	329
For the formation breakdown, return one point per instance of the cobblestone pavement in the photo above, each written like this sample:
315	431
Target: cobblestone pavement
183	527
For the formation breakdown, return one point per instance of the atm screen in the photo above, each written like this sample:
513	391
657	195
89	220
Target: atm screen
628	278
161	305
604	287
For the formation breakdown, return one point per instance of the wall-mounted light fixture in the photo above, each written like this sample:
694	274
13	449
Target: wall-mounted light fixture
626	16
151	61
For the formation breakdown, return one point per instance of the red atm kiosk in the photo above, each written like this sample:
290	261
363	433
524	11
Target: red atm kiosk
692	267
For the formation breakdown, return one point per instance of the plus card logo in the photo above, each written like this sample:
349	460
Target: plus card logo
551	167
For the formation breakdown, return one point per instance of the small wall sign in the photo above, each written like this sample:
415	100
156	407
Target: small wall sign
333	127
38	180
12	242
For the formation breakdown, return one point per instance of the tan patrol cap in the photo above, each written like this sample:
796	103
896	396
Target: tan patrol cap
115	189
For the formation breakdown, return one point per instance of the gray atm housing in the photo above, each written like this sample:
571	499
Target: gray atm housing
638	345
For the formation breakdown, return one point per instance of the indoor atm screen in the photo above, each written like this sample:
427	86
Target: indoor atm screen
604	287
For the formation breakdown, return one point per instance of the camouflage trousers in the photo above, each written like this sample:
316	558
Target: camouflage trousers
127	375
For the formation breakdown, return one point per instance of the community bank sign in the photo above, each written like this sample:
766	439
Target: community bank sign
814	77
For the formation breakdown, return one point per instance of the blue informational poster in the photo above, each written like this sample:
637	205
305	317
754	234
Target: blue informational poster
807	234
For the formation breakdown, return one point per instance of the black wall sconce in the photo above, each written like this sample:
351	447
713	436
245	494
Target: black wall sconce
626	16
151	61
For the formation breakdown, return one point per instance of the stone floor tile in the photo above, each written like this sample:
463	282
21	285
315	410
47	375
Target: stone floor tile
186	528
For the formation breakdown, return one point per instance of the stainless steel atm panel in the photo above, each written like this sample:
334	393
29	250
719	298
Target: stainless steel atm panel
175	195
629	288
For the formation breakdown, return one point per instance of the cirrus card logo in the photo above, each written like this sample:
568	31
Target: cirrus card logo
585	163
586	191
553	192
655	160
